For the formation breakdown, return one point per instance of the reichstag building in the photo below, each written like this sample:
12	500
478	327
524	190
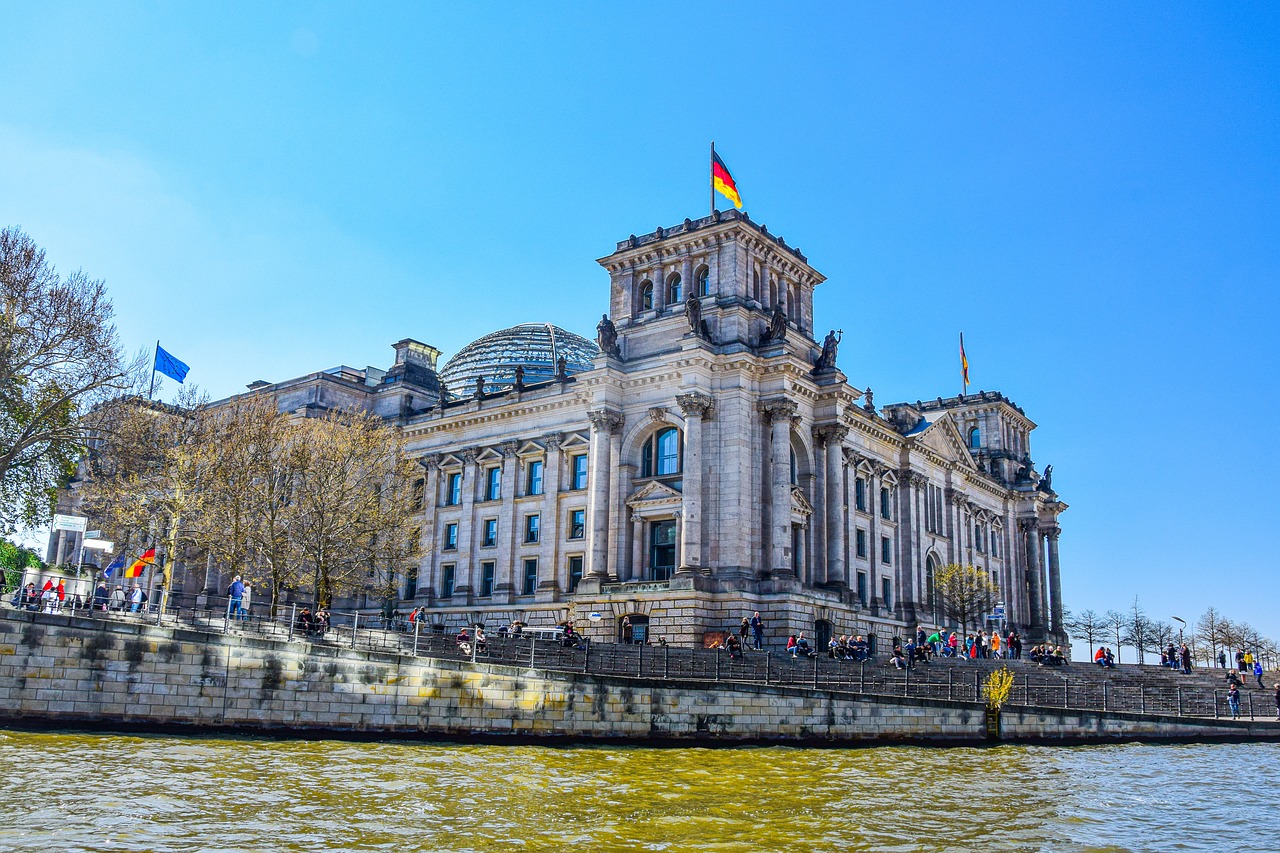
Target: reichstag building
703	458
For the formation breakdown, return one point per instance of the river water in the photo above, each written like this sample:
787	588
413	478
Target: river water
69	791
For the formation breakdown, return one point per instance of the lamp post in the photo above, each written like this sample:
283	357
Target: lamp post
1182	623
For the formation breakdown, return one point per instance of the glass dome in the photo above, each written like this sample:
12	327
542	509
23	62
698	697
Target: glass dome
534	346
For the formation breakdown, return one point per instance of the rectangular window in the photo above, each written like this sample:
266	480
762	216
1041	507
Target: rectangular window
995	544
451	537
575	572
577	524
579	471
886	550
981	538
662	549
490	533
531	528
862	588
860	540
530	576
419	493
886	593
446	580
534	479
487	569
411	585
886	507
454	495
860	494
995	581
493	484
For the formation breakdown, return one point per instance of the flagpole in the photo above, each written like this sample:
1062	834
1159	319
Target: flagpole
712	170
964	368
152	390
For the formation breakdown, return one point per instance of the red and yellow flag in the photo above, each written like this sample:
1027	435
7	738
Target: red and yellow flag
147	558
964	363
723	181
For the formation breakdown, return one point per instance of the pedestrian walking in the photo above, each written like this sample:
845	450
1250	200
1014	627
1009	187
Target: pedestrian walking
757	631
1257	673
744	631
1222	659
135	599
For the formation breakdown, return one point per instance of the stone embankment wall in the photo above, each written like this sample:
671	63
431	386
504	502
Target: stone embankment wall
60	669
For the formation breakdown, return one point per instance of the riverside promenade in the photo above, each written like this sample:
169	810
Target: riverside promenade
201	672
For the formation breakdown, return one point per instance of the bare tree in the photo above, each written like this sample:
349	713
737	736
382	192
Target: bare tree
1208	634
1089	626
963	592
1114	623
349	478
1137	629
59	355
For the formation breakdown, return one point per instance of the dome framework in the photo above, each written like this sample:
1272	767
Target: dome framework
533	346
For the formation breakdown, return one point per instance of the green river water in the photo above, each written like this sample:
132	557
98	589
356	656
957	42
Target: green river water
94	792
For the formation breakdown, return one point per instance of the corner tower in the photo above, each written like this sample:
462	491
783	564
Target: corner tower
742	280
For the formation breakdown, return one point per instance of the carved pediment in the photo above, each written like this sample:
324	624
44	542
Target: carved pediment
653	493
531	448
799	503
943	438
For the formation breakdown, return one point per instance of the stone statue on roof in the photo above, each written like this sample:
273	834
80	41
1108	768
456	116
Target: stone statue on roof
827	358
777	330
1046	482
607	337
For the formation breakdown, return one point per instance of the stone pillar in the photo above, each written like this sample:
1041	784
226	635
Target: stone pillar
637	548
1031	531
660	289
779	412
686	277
833	436
509	532
617	497
695	407
603	422
910	485
1055	585
464	577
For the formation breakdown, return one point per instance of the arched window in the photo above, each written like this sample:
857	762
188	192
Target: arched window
793	467
974	440
660	456
755	285
704	281
646	296
673	289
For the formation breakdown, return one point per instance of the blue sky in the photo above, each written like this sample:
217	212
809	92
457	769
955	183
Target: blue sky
1090	192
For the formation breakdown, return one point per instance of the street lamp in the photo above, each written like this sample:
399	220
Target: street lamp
1182	623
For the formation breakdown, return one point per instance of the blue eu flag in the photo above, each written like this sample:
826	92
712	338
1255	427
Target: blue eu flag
116	565
170	366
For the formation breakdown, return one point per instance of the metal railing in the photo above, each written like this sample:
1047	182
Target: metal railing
944	681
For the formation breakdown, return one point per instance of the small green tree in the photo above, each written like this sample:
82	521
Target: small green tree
964	593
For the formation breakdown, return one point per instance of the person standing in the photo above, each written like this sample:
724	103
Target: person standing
1222	659
62	594
100	596
1257	673
1186	659
135	598
1278	700
235	594
757	631
744	631
1233	700
628	631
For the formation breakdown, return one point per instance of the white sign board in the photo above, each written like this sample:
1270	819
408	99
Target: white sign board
93	534
74	523
97	544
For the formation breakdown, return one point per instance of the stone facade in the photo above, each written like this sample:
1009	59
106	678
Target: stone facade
730	467
712	461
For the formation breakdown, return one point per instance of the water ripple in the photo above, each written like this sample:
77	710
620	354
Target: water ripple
105	792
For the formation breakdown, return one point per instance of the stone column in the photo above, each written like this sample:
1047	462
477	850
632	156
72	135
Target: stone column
637	548
603	422
1055	584
1031	531
551	561
464	577
910	486
617	499
695	407
509	532
833	436
779	412
686	277
660	289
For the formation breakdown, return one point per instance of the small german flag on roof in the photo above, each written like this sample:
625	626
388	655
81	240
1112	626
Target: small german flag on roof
722	181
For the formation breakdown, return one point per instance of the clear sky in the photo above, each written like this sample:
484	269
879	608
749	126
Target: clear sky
1091	192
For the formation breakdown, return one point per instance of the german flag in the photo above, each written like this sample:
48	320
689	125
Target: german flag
145	559
723	181
964	363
